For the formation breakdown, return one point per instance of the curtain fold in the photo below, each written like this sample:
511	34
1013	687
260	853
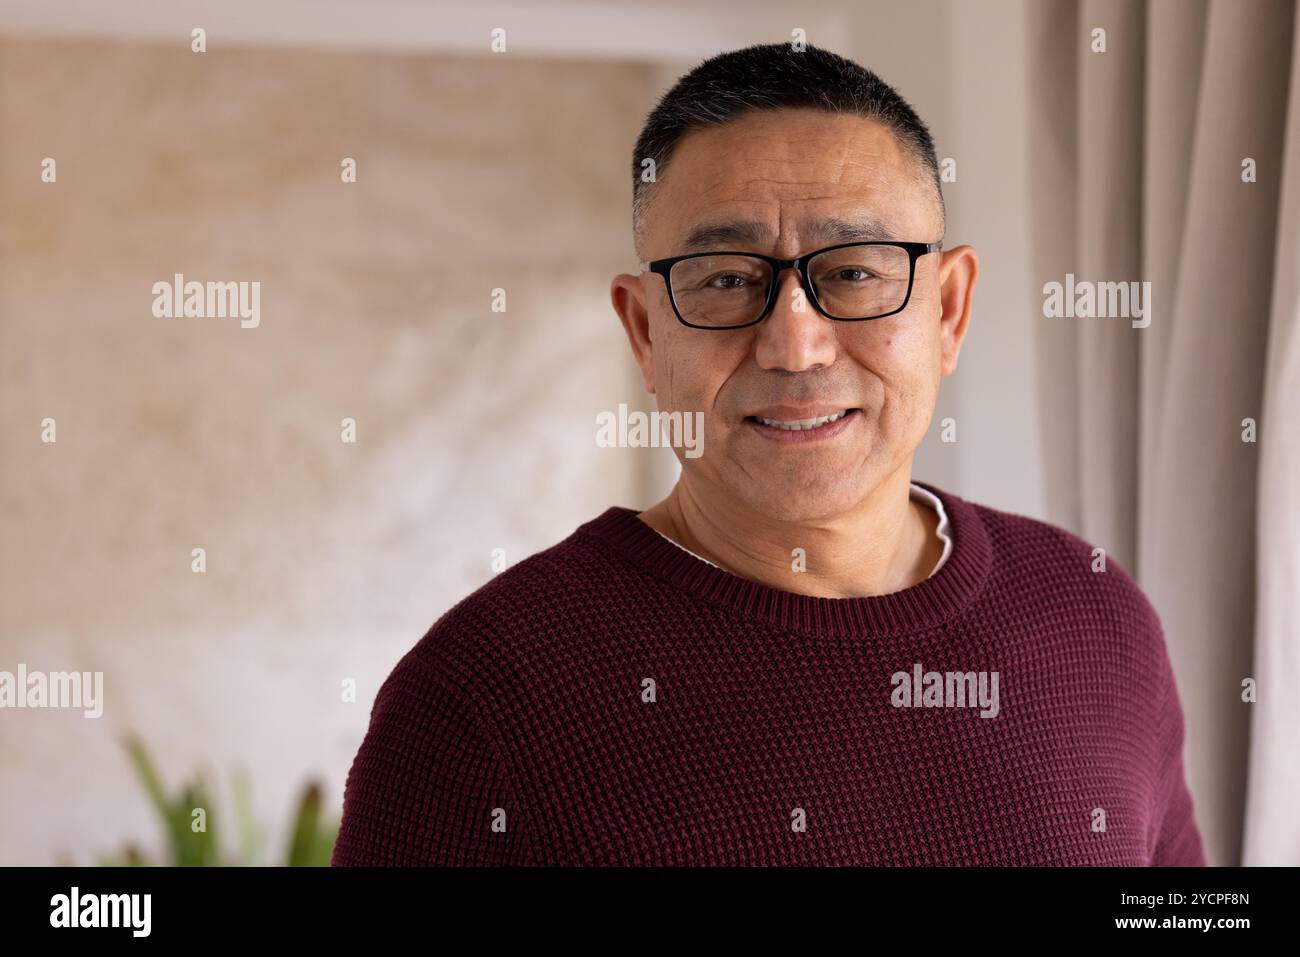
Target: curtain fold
1108	245
1272	832
1144	426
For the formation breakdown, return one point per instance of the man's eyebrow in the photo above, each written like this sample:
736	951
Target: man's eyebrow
834	230
749	232
731	232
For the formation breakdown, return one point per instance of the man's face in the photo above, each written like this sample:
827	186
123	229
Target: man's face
791	173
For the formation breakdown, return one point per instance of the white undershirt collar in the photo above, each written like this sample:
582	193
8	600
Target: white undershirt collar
916	494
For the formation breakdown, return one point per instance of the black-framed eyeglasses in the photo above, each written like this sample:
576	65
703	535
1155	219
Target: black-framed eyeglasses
850	282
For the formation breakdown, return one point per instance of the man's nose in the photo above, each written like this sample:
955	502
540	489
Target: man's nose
795	337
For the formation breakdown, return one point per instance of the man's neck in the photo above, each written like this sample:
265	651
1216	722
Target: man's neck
885	544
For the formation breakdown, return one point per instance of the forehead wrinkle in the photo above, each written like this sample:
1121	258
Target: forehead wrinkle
871	180
725	182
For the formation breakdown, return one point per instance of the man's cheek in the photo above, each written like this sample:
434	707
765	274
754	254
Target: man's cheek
685	382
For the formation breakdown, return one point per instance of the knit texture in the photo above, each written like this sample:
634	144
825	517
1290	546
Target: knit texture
614	700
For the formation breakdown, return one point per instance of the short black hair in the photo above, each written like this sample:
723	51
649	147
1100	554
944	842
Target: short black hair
773	76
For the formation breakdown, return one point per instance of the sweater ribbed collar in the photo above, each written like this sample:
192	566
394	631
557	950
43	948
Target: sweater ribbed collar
928	603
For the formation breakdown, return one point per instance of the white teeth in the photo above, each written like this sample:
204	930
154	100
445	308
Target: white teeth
800	424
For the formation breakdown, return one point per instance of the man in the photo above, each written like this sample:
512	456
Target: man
800	656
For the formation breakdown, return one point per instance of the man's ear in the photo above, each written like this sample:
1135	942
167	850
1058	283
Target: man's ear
958	270
627	293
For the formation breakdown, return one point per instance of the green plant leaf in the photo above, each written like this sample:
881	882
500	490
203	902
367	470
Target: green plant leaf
144	770
248	839
311	843
305	825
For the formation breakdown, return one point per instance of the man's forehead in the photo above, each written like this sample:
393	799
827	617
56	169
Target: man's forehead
801	152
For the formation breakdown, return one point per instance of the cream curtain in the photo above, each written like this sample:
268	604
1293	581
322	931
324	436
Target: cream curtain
1137	167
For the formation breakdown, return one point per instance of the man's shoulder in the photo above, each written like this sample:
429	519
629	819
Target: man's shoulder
1023	536
542	599
1036	554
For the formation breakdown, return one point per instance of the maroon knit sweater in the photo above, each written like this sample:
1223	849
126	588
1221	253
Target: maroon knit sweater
616	700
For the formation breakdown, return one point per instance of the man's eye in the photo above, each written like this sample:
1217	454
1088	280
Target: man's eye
728	281
851	274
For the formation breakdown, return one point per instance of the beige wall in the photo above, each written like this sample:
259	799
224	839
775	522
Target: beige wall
325	560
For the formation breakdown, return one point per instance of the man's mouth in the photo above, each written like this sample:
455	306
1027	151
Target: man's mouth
792	423
798	425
